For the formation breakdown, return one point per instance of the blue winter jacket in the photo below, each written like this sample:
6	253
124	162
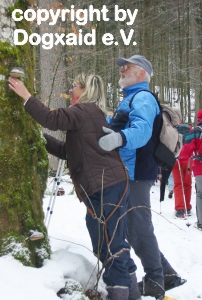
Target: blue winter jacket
140	134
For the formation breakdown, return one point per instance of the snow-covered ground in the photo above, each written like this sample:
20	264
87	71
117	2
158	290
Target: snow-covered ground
72	256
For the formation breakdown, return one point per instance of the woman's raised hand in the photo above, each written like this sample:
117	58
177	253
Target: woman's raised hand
18	87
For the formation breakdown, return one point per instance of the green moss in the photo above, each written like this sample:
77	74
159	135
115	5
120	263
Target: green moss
21	4
28	252
23	158
17	246
41	251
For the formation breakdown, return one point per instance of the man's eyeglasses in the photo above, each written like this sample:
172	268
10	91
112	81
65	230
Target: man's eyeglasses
126	67
76	85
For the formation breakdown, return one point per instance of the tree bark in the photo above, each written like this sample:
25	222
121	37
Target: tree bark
23	158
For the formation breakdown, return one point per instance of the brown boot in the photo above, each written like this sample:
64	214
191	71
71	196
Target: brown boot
149	287
172	280
117	292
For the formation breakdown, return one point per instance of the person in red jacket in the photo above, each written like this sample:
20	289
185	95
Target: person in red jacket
193	144
182	181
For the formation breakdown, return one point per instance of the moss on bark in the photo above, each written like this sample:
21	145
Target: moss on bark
23	160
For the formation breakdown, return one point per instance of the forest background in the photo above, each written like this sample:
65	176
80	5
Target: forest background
166	32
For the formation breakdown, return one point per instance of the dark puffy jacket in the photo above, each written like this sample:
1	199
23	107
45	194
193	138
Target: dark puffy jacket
86	160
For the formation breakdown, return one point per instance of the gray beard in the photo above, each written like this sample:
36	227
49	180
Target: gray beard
120	83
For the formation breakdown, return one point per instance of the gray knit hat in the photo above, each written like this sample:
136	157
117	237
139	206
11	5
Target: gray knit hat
137	60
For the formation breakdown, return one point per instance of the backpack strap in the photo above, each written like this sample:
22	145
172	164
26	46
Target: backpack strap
157	100
199	128
198	156
155	96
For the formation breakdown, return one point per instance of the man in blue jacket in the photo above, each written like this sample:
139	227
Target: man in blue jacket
134	128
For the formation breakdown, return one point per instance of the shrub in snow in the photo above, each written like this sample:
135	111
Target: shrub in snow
72	290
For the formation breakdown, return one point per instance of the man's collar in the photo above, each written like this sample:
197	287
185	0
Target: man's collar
136	86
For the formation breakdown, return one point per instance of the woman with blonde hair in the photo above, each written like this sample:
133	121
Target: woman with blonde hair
99	176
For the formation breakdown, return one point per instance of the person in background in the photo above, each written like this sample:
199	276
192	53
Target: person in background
134	129
99	177
165	173
193	145
182	181
170	186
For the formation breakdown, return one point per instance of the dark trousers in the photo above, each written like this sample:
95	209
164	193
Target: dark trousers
118	269
140	232
199	198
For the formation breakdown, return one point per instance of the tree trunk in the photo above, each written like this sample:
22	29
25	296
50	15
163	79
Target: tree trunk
51	80
23	158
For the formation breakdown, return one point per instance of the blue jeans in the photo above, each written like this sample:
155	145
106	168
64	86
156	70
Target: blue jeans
118	269
170	182
140	232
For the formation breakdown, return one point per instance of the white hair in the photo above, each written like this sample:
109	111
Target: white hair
146	77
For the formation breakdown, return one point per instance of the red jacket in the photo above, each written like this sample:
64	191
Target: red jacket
193	146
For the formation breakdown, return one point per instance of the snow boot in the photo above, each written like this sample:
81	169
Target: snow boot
180	214
170	194
189	212
149	287
134	293
198	226
172	280
117	292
